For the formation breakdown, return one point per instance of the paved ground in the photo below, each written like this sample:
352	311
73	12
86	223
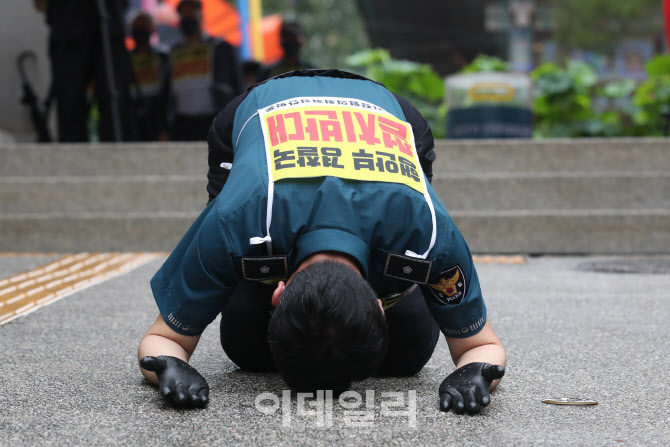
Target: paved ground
69	374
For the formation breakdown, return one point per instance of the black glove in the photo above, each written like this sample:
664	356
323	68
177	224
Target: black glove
467	388
180	384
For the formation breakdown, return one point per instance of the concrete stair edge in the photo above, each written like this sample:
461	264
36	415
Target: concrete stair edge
575	232
452	156
471	192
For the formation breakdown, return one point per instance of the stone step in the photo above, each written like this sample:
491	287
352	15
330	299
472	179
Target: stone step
490	191
512	196
459	156
73	232
546	232
566	232
587	154
554	190
104	159
126	193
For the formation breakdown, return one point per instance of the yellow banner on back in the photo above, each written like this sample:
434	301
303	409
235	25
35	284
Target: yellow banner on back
339	137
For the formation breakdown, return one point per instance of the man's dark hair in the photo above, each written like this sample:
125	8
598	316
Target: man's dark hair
290	29
327	330
197	4
251	67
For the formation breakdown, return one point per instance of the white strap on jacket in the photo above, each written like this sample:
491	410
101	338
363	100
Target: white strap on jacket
267	239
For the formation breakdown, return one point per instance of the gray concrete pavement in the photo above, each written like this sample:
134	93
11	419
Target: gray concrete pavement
12	265
70	377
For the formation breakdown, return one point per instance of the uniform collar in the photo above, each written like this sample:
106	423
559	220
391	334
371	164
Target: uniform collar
332	240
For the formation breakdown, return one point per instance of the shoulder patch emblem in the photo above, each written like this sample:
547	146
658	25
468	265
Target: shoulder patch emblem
451	288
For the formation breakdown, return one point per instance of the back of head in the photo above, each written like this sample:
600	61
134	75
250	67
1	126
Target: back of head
327	330
290	29
186	4
142	20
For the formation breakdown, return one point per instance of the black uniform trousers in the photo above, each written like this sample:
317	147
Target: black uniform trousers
244	331
74	64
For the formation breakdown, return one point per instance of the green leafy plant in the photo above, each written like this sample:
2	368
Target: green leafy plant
652	98
562	105
569	100
418	83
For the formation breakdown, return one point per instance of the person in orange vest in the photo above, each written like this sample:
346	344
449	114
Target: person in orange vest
205	75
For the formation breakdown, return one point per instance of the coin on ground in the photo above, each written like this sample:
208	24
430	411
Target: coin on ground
570	401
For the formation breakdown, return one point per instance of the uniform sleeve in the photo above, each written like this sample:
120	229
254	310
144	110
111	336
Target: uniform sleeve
423	136
220	143
197	279
453	293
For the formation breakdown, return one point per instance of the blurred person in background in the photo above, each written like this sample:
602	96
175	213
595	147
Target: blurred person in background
77	59
151	81
292	41
205	75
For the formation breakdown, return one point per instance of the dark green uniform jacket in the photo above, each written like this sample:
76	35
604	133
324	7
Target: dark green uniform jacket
401	237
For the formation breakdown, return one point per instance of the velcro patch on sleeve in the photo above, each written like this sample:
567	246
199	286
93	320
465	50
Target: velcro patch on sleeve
261	268
407	268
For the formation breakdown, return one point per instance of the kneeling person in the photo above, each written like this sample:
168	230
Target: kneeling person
324	248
